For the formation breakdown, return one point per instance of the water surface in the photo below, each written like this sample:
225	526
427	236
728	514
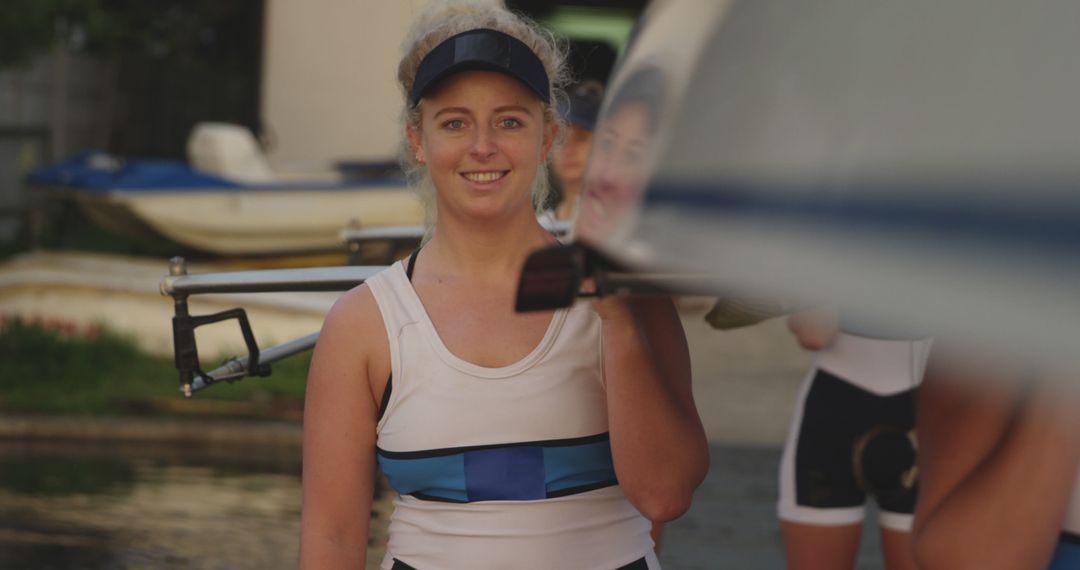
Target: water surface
96	506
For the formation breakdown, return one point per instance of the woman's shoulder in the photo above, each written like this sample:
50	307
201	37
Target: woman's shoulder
355	315
358	306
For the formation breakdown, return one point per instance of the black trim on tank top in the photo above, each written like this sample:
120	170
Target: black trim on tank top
639	564
1070	537
390	379
435	499
582	489
549	495
385	397
412	264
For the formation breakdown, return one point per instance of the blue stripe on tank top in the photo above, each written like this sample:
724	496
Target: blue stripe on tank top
505	474
440	477
1067	554
578	466
509	472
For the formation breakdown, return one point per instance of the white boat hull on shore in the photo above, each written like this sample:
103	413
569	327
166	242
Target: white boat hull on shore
81	292
266	221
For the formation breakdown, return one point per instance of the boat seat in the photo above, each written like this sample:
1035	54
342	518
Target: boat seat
230	151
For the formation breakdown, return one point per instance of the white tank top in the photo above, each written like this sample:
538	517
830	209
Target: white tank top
504	467
880	366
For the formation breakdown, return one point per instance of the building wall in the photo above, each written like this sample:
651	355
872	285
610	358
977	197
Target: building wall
329	89
55	105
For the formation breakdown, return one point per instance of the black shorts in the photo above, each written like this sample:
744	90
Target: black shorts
847	443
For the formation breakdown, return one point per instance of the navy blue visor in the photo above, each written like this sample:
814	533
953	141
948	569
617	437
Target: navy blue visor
481	49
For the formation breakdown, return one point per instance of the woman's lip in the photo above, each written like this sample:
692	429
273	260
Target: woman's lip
485	176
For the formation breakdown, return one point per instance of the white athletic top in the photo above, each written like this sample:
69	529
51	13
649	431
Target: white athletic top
500	467
880	366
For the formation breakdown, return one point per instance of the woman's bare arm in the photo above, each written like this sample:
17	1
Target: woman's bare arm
657	440
339	436
998	460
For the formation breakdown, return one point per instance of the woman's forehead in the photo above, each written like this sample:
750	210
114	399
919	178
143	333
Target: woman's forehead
481	90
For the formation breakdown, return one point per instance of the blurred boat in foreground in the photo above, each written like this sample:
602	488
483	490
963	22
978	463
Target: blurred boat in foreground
914	162
228	200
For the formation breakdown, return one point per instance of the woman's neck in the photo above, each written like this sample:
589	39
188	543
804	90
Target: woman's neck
484	250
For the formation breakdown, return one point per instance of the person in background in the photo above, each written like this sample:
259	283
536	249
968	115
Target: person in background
1000	465
513	440
570	159
852	435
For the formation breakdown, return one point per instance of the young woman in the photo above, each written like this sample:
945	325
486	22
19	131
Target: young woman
853	435
570	158
538	440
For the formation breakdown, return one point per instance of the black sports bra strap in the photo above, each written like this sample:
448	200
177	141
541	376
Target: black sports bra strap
412	264
390	379
385	396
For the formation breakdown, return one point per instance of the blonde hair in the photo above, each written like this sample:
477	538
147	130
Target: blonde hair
446	18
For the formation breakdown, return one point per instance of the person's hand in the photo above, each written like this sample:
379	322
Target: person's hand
611	308
614	310
815	329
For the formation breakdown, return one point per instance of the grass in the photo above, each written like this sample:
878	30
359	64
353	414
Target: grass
56	372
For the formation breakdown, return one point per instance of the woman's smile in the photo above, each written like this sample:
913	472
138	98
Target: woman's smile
484	176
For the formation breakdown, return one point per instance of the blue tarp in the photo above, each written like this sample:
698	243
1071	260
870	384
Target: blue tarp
98	171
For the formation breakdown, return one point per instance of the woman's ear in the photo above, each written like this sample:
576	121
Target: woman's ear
551	131
415	140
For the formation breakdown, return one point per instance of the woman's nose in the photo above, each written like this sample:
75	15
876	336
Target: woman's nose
484	143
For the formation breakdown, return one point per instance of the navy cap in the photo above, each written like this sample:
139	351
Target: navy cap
481	49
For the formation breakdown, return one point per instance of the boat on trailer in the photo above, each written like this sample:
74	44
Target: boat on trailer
228	200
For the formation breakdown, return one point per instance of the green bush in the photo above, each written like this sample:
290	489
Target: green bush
50	371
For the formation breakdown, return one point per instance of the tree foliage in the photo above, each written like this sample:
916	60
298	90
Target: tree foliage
171	63
29	27
154	29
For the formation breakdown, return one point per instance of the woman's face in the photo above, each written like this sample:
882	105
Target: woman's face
618	170
483	137
569	160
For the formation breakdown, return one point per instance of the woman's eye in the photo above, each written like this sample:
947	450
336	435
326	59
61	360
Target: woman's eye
455	124
510	123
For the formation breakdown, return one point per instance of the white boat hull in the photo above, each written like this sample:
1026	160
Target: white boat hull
247	222
80	292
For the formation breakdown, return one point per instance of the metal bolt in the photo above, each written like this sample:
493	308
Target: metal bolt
177	266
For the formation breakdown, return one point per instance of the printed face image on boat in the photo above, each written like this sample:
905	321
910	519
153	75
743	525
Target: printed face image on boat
621	156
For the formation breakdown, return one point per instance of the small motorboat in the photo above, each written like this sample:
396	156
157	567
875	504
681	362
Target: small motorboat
228	200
